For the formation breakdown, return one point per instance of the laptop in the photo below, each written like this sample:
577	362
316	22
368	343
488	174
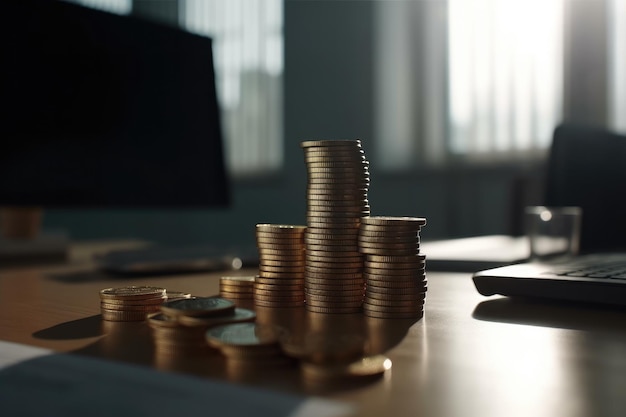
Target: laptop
593	278
586	169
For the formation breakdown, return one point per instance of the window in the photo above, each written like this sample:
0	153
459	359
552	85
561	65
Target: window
248	56
505	75
617	64
470	80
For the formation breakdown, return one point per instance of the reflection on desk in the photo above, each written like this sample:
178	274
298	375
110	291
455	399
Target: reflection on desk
468	356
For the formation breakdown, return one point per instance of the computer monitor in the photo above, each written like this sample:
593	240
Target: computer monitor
101	110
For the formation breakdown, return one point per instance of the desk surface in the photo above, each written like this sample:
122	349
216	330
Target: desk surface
469	355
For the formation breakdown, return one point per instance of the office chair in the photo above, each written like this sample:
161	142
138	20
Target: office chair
587	168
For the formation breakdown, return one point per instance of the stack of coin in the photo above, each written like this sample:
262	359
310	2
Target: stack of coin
394	268
280	282
337	185
237	288
247	342
181	325
132	303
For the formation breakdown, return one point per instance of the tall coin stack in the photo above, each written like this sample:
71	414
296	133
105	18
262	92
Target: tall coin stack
337	185
280	282
394	270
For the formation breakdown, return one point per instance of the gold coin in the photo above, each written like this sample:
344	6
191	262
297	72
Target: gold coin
159	320
385	266
374	291
240	315
327	299
333	166
382	233
316	290
239	281
110	315
279	248
278	282
278	304
410	308
387	315
328	204
237	296
134	302
356	143
394	259
333	155
325	193
329	248
280	291
341	234
263	274
395	274
330	242
412	246
394	221
327	274
280	253
263	268
333	310
236	288
120	307
370	284
300	257
395	302
390	239
325	269
135	292
282	228
199	306
320	254
279	241
389	251
175	295
312	259
291	286
336	265
351	288
268	264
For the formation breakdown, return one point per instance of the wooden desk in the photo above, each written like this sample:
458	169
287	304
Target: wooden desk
469	356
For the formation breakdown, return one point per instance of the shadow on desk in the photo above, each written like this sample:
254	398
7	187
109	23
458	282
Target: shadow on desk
134	342
549	313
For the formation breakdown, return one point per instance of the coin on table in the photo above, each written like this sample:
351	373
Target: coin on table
135	292
239	315
199	306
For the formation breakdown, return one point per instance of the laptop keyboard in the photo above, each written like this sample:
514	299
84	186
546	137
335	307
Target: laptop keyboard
591	268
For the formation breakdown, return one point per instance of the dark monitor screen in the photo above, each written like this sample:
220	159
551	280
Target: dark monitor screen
101	110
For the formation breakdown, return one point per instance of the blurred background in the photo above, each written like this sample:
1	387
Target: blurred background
455	102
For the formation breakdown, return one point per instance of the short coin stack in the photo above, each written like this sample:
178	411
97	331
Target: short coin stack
337	186
181	325
132	303
394	270
280	282
237	288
